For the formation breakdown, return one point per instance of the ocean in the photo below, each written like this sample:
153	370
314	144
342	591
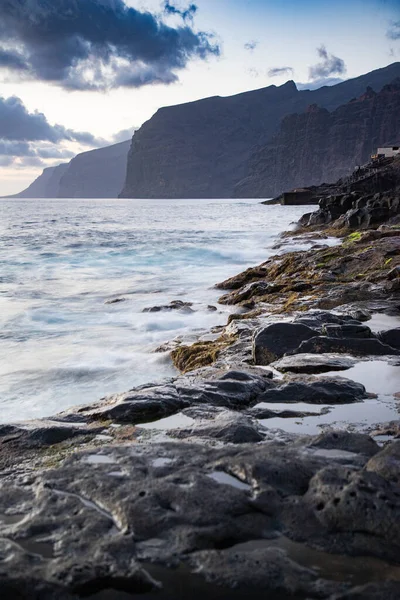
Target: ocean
62	261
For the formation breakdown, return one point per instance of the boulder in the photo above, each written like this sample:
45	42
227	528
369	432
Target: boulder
390	337
387	463
349	442
174	305
272	342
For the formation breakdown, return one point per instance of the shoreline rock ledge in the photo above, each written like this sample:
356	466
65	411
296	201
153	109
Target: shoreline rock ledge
269	469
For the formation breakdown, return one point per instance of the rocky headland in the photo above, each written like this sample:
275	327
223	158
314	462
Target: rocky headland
269	468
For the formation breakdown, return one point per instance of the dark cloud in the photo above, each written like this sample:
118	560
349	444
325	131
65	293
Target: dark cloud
15	148
251	46
393	33
18	124
186	14
12	60
329	65
278	71
99	44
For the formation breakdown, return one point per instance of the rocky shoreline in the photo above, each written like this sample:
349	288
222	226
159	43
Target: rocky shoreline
269	468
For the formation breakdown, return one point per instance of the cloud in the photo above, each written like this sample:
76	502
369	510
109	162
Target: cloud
28	139
18	124
6	161
393	33
186	14
98	44
251	46
124	135
12	60
253	72
318	83
278	71
329	65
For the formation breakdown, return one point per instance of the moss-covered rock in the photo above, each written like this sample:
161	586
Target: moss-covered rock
200	354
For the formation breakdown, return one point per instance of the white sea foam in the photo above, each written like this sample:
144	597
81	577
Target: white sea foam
61	261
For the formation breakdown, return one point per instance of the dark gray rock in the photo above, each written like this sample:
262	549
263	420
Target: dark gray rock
272	342
350	511
383	590
226	426
235	390
355	347
261	568
349	442
174	305
387	463
390	337
312	363
347	330
324	390
316	319
100	520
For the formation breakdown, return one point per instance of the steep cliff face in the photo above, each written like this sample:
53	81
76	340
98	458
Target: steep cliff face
47	185
96	174
320	146
202	149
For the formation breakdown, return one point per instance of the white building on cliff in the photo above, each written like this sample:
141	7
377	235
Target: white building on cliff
388	152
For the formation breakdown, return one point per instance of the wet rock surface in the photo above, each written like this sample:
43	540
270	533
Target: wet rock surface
103	518
212	484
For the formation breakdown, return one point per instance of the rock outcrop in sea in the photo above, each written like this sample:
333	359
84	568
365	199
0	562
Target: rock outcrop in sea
202	149
269	469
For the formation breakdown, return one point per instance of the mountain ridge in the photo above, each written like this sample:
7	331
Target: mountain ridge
202	149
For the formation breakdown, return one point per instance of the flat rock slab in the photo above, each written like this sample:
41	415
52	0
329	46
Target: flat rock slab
321	390
355	347
312	363
99	521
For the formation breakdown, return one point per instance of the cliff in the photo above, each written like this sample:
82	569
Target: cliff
202	149
321	146
96	174
46	185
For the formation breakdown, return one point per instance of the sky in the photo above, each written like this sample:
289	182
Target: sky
80	74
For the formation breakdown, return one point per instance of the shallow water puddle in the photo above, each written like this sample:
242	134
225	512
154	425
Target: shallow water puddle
36	546
99	459
377	376
358	416
381	322
178	421
357	570
317	409
162	462
11	519
332	453
226	479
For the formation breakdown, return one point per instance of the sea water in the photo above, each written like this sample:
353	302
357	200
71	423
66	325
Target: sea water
61	261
